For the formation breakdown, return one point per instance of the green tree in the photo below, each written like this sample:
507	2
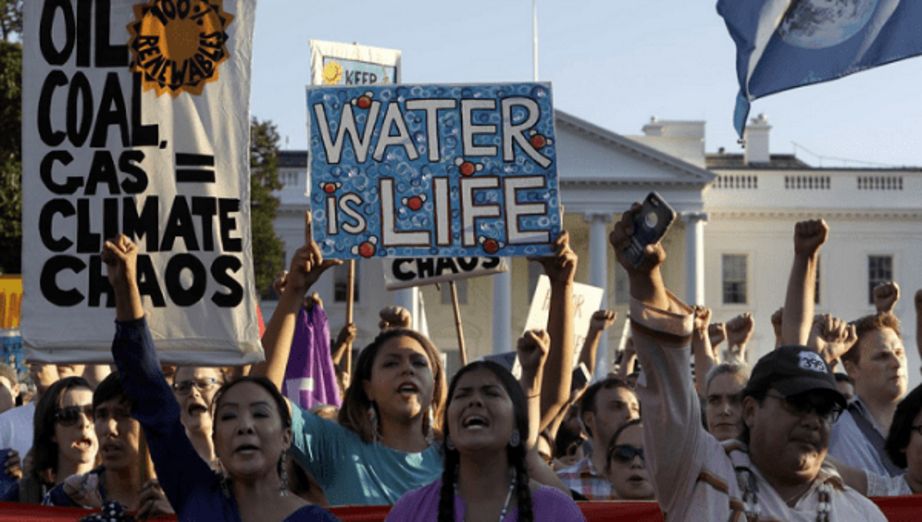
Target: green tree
10	18
268	258
10	158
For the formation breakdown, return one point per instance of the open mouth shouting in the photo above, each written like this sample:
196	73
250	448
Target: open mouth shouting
408	390
474	422
84	444
246	449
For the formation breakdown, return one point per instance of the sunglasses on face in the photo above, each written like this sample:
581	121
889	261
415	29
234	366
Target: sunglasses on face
185	387
624	454
68	416
803	403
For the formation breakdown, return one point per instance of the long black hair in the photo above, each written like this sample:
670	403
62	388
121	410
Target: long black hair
515	455
44	448
901	428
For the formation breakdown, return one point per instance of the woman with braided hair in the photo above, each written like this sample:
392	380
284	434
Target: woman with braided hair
487	451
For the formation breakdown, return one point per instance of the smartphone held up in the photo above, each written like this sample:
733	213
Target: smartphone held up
650	225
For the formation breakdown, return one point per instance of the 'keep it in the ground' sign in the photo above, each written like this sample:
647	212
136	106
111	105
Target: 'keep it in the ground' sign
433	170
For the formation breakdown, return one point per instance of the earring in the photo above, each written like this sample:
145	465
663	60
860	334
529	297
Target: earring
515	439
283	474
449	444
373	417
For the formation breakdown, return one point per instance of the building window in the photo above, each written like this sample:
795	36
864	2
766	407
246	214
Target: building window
340	282
734	279
460	285
880	270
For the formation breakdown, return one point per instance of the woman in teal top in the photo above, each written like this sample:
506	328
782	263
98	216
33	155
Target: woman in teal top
383	445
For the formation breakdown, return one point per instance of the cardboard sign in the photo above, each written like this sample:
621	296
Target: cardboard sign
433	170
136	120
587	300
353	64
405	272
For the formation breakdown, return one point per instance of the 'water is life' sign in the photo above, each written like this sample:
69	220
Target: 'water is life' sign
433	170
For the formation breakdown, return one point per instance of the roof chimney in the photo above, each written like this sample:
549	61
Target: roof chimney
756	136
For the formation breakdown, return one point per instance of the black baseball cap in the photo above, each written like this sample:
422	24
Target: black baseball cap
792	370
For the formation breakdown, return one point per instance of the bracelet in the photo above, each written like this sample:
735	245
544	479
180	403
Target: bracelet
535	395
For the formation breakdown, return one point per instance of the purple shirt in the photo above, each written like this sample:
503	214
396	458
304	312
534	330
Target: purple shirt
548	503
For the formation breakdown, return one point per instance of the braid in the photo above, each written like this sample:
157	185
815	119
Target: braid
522	489
447	492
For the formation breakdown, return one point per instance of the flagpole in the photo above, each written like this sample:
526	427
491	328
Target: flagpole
534	35
350	306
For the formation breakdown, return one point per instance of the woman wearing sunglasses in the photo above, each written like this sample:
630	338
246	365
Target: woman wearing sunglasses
65	441
627	469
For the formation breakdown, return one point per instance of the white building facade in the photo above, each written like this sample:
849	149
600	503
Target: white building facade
730	249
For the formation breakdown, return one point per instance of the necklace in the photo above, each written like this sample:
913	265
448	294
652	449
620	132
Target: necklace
502	514
753	510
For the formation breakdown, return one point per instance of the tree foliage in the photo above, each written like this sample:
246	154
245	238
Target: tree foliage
10	18
268	257
10	158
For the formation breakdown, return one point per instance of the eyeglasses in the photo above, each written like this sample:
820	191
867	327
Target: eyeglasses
803	403
68	416
624	454
185	387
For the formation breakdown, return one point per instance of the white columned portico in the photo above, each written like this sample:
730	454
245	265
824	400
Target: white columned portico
694	256
598	276
502	310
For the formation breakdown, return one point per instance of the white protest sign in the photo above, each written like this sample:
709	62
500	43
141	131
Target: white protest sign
587	300
403	272
352	64
136	121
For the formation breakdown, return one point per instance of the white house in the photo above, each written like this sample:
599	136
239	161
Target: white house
731	248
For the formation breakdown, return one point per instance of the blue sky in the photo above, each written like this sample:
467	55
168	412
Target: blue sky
613	63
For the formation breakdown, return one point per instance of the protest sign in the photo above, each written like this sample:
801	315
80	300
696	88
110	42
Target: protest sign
433	170
136	120
353	64
586	301
10	300
406	272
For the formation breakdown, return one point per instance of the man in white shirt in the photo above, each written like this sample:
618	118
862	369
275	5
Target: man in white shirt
877	364
789	405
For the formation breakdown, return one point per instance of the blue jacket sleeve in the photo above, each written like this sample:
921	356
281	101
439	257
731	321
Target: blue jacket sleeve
186	479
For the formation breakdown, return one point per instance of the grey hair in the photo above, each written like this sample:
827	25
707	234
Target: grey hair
733	368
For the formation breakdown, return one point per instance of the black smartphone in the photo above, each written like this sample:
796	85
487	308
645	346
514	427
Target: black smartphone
650	225
580	377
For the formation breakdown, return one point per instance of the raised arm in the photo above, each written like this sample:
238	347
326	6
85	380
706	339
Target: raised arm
739	332
701	348
628	358
885	297
121	255
560	269
601	321
307	265
343	343
832	337
532	349
797	317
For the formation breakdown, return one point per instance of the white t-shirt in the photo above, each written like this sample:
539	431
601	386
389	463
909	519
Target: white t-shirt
692	473
16	429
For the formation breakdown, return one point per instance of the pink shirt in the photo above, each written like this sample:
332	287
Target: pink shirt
549	505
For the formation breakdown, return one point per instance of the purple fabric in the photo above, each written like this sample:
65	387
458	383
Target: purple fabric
548	504
310	378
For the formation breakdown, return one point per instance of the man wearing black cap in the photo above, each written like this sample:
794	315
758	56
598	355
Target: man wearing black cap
789	406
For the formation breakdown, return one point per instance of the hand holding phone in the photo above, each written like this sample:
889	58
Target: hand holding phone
650	225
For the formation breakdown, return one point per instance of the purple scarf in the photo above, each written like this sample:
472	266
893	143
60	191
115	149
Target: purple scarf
310	378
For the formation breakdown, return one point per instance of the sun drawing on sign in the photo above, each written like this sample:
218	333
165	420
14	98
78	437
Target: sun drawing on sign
181	48
367	248
332	73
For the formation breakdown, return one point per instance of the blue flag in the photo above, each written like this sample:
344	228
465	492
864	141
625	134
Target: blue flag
782	44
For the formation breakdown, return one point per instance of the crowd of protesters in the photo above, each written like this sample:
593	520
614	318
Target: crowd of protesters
702	431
